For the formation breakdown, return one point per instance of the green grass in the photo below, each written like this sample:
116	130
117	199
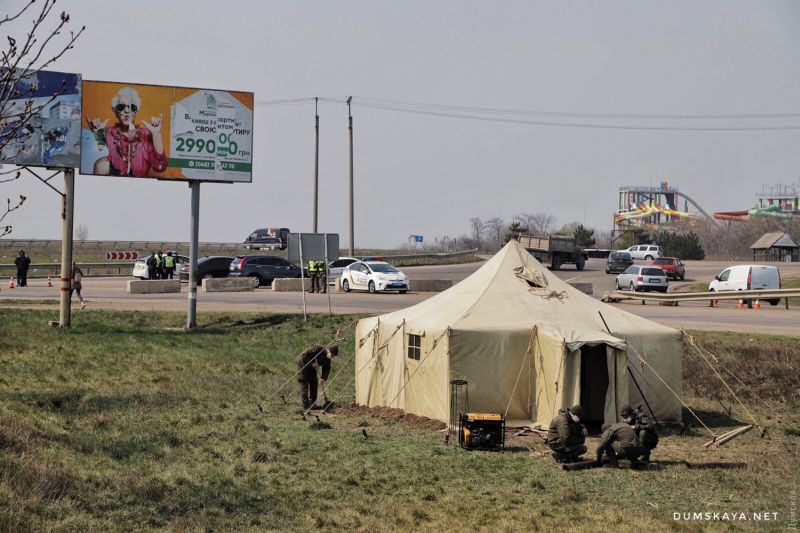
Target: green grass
125	422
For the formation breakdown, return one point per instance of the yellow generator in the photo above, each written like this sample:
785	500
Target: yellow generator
484	431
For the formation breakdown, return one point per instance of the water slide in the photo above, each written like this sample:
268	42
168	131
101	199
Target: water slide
773	211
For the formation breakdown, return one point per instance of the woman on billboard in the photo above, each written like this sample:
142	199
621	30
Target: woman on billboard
132	150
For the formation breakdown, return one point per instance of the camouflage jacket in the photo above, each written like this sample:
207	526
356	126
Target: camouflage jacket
315	353
564	431
619	432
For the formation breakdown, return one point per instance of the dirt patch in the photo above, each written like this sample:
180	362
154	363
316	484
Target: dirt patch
390	415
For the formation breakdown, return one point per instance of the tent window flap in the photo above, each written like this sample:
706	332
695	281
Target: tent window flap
414	347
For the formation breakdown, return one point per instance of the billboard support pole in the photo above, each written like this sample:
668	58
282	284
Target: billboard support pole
316	165
194	232
350	127
67	211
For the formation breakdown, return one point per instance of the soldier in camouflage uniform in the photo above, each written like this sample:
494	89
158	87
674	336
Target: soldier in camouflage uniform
307	364
619	441
567	435
645	429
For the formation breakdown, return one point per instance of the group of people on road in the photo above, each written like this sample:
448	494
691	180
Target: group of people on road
632	439
23	263
319	276
161	266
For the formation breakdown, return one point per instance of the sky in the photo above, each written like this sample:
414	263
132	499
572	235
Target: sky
426	174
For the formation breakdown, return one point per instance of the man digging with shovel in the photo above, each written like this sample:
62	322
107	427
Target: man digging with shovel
307	364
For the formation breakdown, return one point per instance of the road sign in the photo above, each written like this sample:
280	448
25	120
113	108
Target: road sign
122	256
417	238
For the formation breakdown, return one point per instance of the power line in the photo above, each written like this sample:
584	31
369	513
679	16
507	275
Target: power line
519	116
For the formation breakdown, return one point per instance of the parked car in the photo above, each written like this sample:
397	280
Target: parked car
618	262
263	268
672	266
335	268
140	266
267	239
215	266
642	278
373	276
647	252
747	278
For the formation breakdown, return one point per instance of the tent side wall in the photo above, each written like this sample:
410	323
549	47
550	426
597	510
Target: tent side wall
388	376
663	352
492	362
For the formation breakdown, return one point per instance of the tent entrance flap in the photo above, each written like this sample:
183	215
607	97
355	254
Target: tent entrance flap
594	384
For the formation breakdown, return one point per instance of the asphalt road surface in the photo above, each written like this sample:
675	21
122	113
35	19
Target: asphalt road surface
110	293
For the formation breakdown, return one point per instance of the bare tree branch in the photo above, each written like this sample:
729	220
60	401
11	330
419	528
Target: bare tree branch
20	62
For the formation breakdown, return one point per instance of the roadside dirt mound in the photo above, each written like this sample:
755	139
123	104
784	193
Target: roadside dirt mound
391	415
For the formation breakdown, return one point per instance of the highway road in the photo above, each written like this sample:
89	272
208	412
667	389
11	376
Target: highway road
110	293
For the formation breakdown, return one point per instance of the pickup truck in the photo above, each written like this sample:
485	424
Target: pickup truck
555	250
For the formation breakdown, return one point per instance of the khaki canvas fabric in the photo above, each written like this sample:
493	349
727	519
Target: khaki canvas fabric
518	344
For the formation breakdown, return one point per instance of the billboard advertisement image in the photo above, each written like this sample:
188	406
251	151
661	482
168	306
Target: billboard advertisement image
152	131
40	126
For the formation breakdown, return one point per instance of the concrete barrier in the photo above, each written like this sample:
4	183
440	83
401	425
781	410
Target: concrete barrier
154	286
430	285
228	284
585	288
289	284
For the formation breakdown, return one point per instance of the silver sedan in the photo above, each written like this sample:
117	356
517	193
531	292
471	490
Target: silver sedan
642	278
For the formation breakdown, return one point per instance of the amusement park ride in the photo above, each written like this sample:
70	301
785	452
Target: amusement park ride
641	208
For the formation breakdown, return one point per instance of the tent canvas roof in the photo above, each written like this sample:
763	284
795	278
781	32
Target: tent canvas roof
496	298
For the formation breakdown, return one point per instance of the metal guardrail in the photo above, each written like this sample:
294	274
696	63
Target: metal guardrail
674	297
42	270
135	245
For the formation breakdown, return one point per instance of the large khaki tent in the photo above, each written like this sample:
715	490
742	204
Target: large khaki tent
528	344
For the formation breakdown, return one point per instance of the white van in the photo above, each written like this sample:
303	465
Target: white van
748	278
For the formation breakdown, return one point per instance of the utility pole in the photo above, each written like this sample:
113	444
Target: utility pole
350	127
316	163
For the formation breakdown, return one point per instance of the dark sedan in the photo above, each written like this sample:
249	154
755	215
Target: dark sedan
618	262
215	266
263	268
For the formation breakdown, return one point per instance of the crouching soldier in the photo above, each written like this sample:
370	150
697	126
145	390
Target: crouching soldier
619	441
307	364
567	435
645	430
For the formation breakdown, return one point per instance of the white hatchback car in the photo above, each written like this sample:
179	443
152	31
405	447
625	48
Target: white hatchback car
373	276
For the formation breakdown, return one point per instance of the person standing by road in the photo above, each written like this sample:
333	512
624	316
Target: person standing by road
77	284
151	266
313	273
169	266
160	265
23	262
323	277
307	364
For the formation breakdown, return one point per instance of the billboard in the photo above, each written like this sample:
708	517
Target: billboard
179	133
49	134
313	246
